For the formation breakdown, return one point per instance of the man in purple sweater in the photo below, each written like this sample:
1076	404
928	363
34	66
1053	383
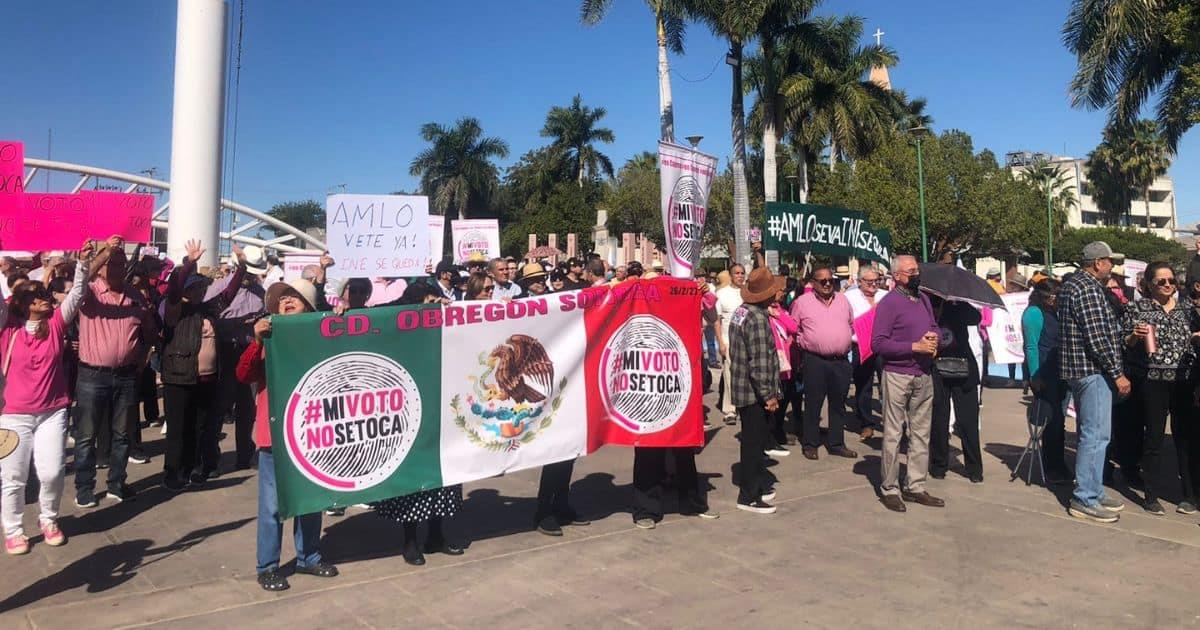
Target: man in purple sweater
906	337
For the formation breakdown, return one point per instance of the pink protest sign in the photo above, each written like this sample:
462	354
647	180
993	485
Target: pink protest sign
864	326
43	221
12	168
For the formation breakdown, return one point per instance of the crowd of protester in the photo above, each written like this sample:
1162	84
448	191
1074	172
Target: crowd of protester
90	340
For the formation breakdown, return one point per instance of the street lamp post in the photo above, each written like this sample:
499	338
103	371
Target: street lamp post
791	179
917	132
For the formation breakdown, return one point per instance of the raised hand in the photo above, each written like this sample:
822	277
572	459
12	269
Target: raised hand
115	241
239	254
87	250
194	250
326	260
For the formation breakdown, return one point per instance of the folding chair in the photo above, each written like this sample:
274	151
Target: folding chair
1039	412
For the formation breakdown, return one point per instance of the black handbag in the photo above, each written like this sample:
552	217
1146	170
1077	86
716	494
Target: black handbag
952	368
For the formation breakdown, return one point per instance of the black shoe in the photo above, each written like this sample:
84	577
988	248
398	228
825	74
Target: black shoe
138	457
197	479
85	499
810	452
413	556
893	503
549	526
101	465
842	451
320	569
1154	507
173	484
941	474
976	478
573	519
120	493
273	581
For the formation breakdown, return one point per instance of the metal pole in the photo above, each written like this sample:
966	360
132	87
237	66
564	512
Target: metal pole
791	192
1049	231
921	193
198	125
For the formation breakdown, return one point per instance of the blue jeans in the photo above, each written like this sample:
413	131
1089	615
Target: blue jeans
710	345
107	401
307	528
1093	413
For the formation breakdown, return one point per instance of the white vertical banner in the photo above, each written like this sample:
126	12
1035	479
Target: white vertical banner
437	238
686	176
475	236
1004	333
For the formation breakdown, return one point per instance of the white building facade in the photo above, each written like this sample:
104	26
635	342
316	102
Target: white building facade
1162	220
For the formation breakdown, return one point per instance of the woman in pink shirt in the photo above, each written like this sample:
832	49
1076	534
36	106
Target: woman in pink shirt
784	329
32	342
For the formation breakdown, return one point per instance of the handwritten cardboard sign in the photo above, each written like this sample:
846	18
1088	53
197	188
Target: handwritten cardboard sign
378	235
475	237
44	221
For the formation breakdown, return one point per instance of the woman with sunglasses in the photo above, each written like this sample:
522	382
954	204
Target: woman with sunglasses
479	287
1159	353
32	344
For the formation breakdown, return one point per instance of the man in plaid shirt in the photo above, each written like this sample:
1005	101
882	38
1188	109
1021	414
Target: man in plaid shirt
1090	363
754	372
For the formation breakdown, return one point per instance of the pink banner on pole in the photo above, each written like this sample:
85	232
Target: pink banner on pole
43	221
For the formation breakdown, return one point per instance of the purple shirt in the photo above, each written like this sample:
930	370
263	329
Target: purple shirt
901	321
824	328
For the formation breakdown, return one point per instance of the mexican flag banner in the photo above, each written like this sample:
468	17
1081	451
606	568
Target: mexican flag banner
383	402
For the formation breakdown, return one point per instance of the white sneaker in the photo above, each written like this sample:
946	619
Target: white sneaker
777	451
770	496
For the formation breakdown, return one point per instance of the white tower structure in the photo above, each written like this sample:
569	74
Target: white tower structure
197	126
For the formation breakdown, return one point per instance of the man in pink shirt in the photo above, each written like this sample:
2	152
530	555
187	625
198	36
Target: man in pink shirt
825	328
116	327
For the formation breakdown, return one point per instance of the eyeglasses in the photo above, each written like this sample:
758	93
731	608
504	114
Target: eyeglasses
1162	282
824	281
869	283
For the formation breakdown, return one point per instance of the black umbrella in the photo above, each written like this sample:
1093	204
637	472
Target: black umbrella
958	285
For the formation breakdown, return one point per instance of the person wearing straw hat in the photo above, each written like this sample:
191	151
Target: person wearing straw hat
282	299
754	373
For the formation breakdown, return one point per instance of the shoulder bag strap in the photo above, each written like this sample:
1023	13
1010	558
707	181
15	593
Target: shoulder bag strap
12	340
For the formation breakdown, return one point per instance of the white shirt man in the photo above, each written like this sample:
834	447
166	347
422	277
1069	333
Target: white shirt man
728	300
863	298
504	287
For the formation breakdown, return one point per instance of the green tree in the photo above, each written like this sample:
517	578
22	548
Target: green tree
456	170
738	22
1135	244
1148	158
1132	50
575	134
1124	165
633	200
1051	180
301	215
670	26
974	206
568	208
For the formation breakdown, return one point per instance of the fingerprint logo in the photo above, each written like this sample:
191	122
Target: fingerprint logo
472	242
352	419
646	376
686	214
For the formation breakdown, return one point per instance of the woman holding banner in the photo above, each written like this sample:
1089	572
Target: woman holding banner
282	299
36	398
430	506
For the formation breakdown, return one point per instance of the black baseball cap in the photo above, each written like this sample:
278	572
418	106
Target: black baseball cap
635	268
446	267
574	262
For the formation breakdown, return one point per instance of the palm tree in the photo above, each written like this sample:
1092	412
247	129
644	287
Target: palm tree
1109	184
1051	180
910	113
669	25
1131	50
456	170
851	111
1147	159
737	21
781	19
575	133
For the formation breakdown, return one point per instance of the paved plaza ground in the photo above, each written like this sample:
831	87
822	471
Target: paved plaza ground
1000	554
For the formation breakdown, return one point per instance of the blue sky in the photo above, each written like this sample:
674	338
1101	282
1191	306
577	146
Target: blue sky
334	92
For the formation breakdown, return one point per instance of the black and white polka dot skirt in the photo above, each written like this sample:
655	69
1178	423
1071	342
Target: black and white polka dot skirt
420	506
